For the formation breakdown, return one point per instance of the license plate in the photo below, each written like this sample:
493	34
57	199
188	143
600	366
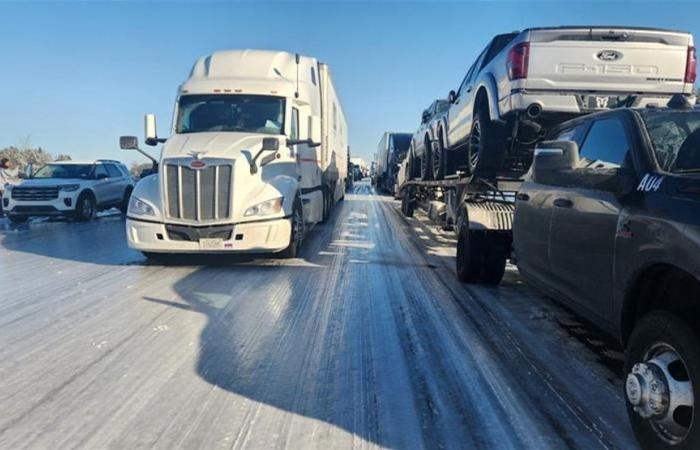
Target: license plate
211	244
600	102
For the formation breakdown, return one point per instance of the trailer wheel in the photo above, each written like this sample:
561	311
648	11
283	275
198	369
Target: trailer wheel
496	254
407	202
663	382
470	255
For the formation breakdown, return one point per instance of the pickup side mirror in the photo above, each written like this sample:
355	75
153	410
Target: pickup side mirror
552	157
452	96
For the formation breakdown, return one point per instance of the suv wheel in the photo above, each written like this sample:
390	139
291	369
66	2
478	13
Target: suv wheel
663	382
85	209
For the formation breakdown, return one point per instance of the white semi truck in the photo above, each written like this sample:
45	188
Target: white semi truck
257	154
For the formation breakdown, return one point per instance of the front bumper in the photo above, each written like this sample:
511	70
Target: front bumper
265	236
61	206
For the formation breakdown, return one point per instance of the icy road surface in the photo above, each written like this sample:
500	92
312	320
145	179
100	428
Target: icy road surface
367	340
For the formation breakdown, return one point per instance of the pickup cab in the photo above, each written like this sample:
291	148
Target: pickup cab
524	83
424	163
609	225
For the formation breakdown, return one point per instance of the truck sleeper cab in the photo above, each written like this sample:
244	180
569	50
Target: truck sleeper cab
255	156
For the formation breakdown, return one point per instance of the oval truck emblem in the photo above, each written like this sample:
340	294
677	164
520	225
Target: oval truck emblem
197	164
608	55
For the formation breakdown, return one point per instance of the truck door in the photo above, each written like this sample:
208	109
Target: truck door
533	215
585	216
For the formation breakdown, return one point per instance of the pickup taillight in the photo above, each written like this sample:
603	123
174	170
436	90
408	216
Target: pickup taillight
517	61
691	66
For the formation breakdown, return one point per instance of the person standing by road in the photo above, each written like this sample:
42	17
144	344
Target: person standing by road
8	175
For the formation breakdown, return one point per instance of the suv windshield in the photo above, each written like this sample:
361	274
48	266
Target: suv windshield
675	136
244	113
64	171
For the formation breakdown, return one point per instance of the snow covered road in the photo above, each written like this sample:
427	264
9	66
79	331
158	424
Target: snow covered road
367	340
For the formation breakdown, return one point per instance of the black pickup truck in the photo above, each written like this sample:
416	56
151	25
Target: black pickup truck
609	224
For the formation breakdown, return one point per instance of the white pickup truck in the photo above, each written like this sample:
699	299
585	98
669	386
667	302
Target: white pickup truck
257	152
525	82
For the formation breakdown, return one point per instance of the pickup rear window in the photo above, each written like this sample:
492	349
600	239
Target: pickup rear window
675	136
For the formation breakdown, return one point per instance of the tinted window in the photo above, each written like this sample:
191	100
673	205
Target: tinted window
401	142
100	170
112	171
606	144
498	44
675	136
574	133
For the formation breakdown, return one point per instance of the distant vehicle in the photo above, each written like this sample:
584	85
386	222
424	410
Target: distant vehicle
362	165
609	224
392	149
401	177
70	188
258	152
424	163
357	173
525	82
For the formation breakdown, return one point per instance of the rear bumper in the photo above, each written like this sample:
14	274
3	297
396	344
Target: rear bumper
267	236
569	102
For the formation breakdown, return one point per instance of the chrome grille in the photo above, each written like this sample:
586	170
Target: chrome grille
36	194
198	194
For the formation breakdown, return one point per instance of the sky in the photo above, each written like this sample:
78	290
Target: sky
75	76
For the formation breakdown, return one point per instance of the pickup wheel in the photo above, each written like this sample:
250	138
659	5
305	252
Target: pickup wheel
486	147
297	235
439	156
663	382
85	208
426	162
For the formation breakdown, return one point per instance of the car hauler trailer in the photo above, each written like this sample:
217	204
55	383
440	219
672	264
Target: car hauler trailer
257	153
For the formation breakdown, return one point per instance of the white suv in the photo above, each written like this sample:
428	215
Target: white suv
72	189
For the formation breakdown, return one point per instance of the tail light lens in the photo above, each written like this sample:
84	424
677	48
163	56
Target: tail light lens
517	61
691	66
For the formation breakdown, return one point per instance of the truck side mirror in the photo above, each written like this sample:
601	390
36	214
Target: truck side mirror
552	157
150	130
128	142
452	96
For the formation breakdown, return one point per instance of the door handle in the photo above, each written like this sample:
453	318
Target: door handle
563	203
522	197
469	89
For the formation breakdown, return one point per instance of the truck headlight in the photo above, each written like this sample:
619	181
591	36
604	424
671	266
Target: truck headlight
140	208
265	208
69	187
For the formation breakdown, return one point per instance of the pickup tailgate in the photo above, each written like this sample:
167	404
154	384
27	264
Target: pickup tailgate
608	60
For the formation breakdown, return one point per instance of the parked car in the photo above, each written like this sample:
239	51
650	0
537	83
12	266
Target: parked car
525	82
609	225
424	163
248	167
68	188
392	149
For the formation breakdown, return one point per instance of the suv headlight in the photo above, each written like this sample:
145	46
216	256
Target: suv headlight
69	187
140	208
265	208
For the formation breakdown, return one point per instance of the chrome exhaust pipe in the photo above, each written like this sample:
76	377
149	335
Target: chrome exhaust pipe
534	110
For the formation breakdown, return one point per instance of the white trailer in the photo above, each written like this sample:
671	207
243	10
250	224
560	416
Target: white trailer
256	154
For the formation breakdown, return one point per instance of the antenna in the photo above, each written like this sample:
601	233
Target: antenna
296	94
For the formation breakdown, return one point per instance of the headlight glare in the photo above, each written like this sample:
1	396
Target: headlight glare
140	208
265	208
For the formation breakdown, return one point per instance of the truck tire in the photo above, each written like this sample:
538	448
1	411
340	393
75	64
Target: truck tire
663	347
486	146
296	237
85	208
426	162
470	255
495	257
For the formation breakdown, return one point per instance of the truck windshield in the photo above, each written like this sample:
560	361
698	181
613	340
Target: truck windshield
242	113
64	171
675	136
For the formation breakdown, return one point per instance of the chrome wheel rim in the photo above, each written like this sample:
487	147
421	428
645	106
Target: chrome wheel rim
660	391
